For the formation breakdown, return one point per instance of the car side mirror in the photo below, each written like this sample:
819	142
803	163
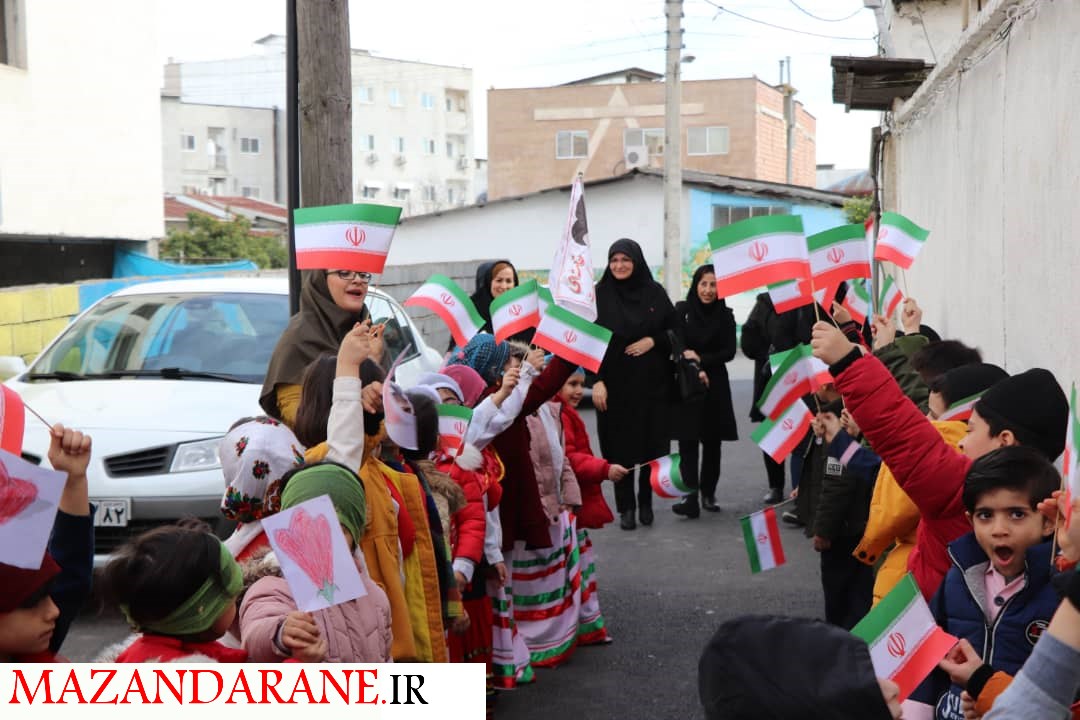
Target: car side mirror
10	366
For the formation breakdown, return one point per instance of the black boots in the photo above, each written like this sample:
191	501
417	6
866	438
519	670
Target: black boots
645	514
709	504
774	496
626	520
688	507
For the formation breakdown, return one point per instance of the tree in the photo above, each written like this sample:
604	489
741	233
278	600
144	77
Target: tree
857	209
219	240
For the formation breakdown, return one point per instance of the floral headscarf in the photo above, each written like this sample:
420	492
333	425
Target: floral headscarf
254	456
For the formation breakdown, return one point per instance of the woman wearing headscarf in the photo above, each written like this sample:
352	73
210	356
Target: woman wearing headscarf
706	327
331	303
633	386
493	278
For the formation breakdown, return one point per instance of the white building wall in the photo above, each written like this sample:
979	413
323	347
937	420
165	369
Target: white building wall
992	169
925	29
80	126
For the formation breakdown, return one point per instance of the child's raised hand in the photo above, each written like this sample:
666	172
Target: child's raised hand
616	472
536	358
829	343
840	313
831	425
884	331
1068	540
849	424
511	378
69	451
300	634
355	348
371	398
911	316
961	662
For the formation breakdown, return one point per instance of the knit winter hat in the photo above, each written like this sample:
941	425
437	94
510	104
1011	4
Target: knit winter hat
483	355
254	456
437	381
343	487
471	384
967	381
1031	405
20	584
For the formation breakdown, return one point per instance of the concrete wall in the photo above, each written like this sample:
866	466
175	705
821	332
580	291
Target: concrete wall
992	169
80	125
925	29
31	317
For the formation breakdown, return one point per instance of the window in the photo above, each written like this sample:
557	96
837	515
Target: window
727	214
397	334
369	192
367	142
429	193
401	193
187	143
652	138
571	144
249	146
394	97
449	104
190	190
707	141
399	144
429	146
249	192
365	95
449	149
427	101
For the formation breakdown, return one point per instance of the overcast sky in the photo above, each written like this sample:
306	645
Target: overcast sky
511	43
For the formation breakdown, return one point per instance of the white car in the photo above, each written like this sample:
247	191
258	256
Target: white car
157	373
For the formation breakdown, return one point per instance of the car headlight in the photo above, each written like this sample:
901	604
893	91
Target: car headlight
200	455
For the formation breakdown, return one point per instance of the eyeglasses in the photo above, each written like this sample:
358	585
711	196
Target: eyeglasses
350	275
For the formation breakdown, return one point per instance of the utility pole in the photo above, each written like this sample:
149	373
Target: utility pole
789	115
323	64
673	9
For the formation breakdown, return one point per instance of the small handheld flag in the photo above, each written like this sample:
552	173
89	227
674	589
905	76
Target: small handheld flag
905	642
899	240
453	424
445	298
665	476
778	438
790	295
759	251
12	420
798	373
1071	462
762	536
344	237
857	301
572	337
838	254
890	299
961	409
515	310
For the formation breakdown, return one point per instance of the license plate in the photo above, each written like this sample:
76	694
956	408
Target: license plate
112	513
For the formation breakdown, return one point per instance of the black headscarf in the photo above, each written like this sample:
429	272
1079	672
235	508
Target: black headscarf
482	296
776	668
623	305
318	328
704	322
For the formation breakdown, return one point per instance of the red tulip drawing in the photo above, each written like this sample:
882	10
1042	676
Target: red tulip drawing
308	543
15	495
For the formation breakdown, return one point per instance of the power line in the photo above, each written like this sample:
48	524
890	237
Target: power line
804	11
723	9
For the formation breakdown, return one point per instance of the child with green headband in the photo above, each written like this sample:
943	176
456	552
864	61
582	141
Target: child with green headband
355	631
177	586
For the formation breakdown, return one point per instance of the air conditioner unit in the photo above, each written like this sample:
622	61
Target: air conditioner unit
399	160
463	163
372	158
636	156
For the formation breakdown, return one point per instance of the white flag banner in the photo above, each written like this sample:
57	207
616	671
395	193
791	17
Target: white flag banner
571	278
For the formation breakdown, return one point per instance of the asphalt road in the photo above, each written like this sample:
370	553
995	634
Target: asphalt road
663	589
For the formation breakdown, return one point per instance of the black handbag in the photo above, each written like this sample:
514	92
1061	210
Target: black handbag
687	371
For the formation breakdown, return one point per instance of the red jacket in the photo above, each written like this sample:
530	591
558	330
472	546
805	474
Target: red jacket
591	471
477	474
520	511
929	470
162	648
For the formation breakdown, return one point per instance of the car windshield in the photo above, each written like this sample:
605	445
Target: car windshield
230	335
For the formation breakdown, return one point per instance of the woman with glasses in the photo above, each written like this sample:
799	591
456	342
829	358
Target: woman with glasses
331	303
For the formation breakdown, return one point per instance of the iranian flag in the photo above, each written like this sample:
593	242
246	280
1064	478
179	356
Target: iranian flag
826	296
789	295
544	298
797	373
905	642
961	409
759	251
779	437
666	479
857	301
453	424
1070	469
572	337
890	297
515	310
442	296
838	254
899	240
344	237
762	536
12	420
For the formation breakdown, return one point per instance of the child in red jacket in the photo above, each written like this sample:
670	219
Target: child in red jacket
591	471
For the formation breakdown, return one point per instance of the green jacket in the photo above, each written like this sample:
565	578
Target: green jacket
896	356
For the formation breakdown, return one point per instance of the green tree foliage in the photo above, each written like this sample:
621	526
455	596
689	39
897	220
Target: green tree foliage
857	209
220	241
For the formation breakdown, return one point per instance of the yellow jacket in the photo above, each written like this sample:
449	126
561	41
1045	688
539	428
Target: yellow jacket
893	521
